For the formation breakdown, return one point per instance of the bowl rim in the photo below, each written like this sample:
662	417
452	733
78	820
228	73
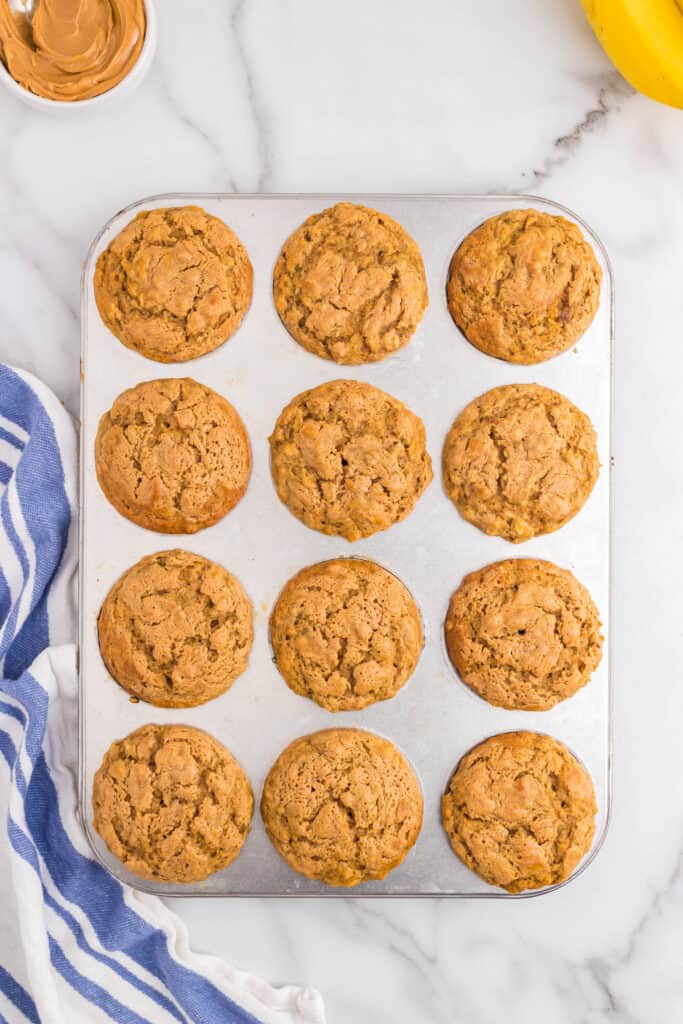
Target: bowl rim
132	78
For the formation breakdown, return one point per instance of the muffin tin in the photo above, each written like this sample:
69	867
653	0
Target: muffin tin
435	718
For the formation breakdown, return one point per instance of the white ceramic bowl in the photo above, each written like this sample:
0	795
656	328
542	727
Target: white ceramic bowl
124	88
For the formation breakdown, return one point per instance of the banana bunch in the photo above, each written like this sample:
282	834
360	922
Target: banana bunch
644	39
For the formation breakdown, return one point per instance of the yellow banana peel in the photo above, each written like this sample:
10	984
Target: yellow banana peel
644	39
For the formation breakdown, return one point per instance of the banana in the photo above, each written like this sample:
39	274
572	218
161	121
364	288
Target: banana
644	39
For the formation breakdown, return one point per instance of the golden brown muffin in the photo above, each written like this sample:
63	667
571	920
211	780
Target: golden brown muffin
342	806
520	461
176	629
172	455
523	634
350	285
172	803
346	633
348	459
524	286
520	811
174	284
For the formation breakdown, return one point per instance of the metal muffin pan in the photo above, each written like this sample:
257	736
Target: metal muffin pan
435	718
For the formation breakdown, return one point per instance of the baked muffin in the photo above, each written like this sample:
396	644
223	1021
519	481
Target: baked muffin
174	283
348	459
520	461
176	629
523	634
346	633
524	286
520	811
172	803
342	806
350	285
172	455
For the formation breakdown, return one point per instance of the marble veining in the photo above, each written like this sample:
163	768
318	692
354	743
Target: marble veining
613	91
435	96
255	105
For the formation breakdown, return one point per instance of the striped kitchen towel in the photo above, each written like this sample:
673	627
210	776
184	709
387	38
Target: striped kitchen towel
76	945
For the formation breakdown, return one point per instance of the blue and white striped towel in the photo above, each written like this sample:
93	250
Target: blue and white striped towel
75	945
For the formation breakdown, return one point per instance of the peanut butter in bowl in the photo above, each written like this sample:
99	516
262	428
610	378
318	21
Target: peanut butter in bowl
72	50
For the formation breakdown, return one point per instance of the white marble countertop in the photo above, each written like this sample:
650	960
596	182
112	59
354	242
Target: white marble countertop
427	97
